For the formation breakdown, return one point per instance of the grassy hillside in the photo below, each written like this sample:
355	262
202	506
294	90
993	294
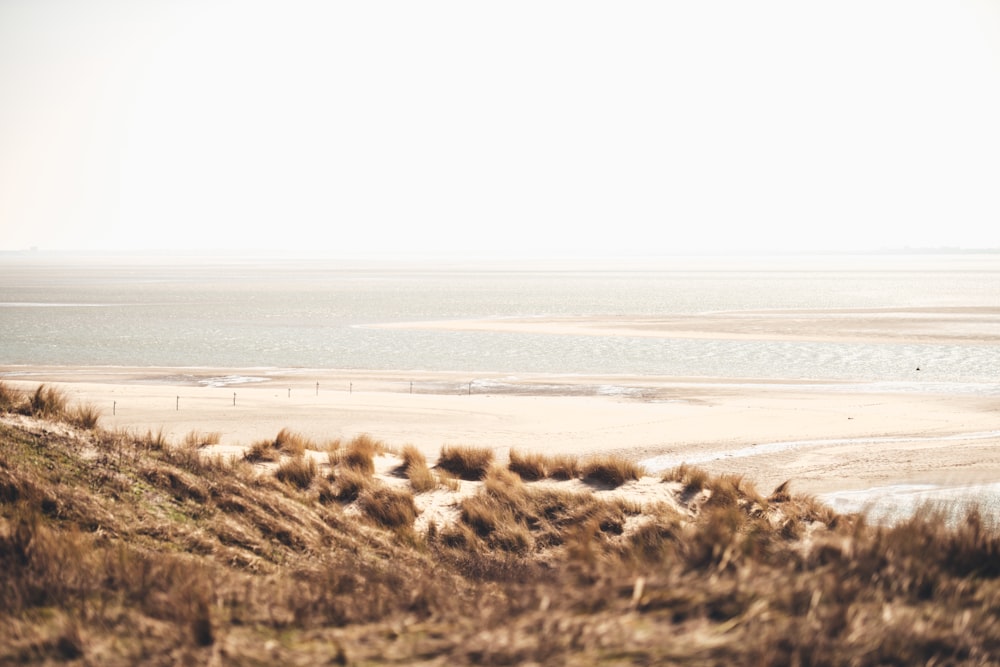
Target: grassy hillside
122	548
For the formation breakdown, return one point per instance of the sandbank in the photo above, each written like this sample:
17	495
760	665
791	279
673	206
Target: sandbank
825	437
965	325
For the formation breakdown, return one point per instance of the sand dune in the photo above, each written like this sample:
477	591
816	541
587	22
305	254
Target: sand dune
825	437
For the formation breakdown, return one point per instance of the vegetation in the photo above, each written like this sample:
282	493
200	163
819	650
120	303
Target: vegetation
416	470
469	463
358	454
123	549
606	470
298	471
610	470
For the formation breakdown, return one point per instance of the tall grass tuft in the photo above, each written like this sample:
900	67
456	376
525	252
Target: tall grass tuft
391	508
298	471
154	441
562	466
47	402
415	465
10	398
470	463
610	470
351	483
198	440
291	443
262	451
530	466
359	454
86	416
692	479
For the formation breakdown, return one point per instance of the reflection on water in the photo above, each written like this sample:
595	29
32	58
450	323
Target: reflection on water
319	314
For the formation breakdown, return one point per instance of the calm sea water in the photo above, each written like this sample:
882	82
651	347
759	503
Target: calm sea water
246	313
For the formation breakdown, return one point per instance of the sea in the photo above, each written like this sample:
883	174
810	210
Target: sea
267	312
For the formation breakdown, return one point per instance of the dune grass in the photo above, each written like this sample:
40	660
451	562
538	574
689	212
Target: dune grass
529	466
390	508
416	470
692	479
141	550
47	402
469	463
198	439
298	471
10	397
610	470
359	454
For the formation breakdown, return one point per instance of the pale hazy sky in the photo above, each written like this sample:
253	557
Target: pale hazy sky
499	128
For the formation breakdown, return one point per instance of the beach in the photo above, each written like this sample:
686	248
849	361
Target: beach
828	438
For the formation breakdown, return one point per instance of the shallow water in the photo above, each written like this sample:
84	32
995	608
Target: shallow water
319	314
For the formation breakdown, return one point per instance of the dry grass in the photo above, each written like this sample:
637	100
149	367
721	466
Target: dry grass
47	402
197	439
359	454
85	416
262	451
138	555
291	443
350	483
692	479
470	463
562	466
298	471
10	397
534	466
390	508
415	466
610	470
530	466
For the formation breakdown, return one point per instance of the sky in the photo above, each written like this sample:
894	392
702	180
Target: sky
534	128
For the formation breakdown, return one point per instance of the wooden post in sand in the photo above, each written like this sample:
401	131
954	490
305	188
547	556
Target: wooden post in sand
177	405
317	388
114	408
234	399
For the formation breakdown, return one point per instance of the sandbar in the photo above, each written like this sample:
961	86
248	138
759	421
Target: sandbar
964	325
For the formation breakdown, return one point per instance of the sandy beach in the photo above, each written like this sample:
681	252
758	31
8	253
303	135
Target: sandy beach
825	437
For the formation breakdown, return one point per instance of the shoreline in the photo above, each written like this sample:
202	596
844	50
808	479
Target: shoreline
827	437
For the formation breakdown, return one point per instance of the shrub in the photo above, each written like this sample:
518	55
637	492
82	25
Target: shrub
391	508
469	463
611	470
529	466
298	471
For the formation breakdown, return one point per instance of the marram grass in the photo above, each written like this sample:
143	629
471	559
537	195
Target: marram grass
117	548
